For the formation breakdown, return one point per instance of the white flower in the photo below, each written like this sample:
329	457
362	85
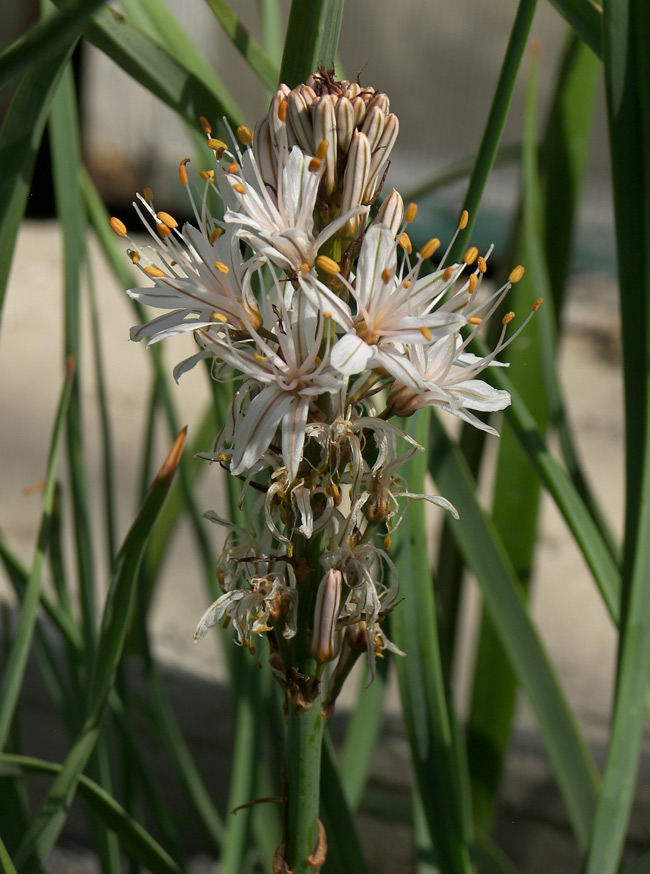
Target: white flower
393	311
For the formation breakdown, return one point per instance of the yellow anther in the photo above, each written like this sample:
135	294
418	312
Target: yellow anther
260	358
481	263
244	136
321	151
167	219
118	226
387	541
134	255
239	188
304	267
507	318
232	168
150	270
214	236
224	456
426	333
182	171
221	267
464	218
218	146
205	124
407	283
385	275
474	320
163	230
405	242
411	212
470	256
219	317
327	314
289	550
208	175
429	248
473	282
537	304
447	273
315	165
148	194
328	265
516	274
282	110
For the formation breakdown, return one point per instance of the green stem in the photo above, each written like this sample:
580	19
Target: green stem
304	741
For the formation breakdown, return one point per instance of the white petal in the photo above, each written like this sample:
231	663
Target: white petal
350	354
255	430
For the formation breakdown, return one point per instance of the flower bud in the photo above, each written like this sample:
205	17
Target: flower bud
328	600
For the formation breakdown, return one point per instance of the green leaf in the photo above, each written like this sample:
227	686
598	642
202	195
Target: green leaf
133	838
586	19
248	47
343	851
15	666
188	94
19	141
426	702
485	555
311	40
43	39
51	817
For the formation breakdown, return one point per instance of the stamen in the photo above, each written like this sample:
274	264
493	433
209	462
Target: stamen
407	283
328	265
224	456
304	267
464	218
475	320
167	219
148	194
470	256
222	268
447	273
385	275
282	110
150	270
481	263
411	212
327	314
205	124
537	304
219	317
118	226
261	358
315	165
232	168
516	274
134	255
218	146
208	175
239	188
163	230
507	318
244	136
429	248
387	541
405	242
426	333
214	236
473	282
321	151
182	171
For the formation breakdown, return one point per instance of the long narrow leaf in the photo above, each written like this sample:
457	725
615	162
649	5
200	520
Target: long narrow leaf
480	544
250	49
311	40
49	821
425	701
15	667
44	38
132	836
586	19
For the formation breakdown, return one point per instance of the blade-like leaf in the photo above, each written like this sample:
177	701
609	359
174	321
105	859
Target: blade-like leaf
44	38
586	19
51	817
250	49
311	40
134	839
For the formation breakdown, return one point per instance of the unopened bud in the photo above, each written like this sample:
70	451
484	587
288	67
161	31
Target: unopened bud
326	614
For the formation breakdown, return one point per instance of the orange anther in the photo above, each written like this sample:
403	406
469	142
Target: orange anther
118	226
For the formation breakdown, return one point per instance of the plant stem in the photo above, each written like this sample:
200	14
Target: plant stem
304	740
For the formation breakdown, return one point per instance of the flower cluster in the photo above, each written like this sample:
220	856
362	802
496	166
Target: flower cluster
317	306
